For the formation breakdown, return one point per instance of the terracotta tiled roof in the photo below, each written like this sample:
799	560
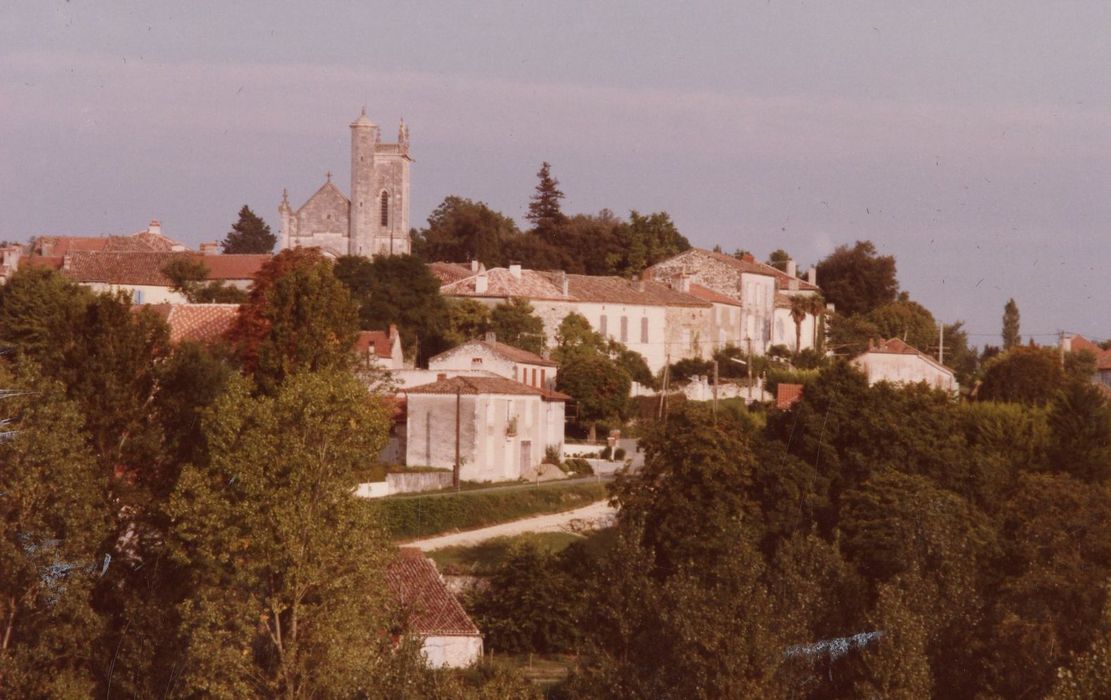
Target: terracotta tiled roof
476	385
233	267
896	346
52	262
1103	357
141	242
706	294
119	268
618	290
448	272
509	352
146	268
379	340
750	265
429	606
786	395
199	323
503	284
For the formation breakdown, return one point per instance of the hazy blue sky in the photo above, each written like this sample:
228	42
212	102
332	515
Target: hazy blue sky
971	140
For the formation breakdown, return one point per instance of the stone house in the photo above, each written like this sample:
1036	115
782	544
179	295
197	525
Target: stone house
502	427
449	639
498	358
648	317
375	220
381	349
755	286
898	363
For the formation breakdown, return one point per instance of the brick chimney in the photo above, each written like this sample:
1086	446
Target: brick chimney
212	248
792	268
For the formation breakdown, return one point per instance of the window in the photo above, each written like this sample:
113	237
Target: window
602	325
476	361
534	377
385	207
542	378
624	329
644	329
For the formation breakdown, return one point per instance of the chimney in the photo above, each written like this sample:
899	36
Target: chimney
812	275
212	248
638	283
155	227
46	248
474	265
684	284
67	260
481	283
793	284
491	337
747	257
564	283
393	332
515	270
792	268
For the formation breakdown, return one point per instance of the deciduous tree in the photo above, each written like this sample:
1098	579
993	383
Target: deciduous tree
515	323
287	563
858	279
299	317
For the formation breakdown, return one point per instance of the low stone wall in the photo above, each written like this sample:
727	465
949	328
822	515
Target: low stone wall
372	489
580	449
413	482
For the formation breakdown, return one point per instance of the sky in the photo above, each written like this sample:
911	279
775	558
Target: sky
971	140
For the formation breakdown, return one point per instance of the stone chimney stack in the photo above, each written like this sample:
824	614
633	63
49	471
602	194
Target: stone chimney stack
684	284
155	227
67	261
792	268
481	283
491	337
812	275
212	248
474	265
515	270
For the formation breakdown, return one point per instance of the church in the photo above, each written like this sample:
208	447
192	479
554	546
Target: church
375	220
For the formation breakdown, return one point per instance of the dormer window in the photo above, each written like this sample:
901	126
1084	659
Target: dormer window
385	208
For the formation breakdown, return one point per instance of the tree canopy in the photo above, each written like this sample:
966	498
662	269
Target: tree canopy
858	279
249	234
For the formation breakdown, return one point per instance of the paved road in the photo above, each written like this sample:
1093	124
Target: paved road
593	516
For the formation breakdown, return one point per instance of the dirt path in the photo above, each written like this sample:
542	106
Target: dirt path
593	516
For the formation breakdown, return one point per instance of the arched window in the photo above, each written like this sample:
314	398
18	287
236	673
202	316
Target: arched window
385	208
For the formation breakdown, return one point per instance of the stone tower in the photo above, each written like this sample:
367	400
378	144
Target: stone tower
375	220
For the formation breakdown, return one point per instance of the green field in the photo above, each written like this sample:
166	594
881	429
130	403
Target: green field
414	517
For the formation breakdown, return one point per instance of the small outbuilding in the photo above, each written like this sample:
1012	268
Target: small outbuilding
449	639
898	363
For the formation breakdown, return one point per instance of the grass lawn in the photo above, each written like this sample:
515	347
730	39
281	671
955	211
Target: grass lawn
412	517
482	559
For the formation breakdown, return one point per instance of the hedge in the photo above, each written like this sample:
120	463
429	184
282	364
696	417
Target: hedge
412	517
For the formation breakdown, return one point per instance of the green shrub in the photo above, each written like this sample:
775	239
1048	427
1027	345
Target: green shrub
619	454
607	453
578	466
551	455
410	517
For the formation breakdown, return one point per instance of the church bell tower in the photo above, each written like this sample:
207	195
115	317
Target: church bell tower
364	139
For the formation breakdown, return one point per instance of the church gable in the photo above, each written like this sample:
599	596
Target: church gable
326	213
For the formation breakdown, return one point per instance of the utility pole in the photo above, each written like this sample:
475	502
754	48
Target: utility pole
715	391
663	394
458	407
941	343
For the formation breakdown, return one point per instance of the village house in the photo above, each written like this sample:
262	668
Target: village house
380	349
498	358
1071	342
500	427
762	292
898	363
449	639
651	318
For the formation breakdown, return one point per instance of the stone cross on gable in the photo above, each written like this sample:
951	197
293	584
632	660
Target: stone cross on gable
328	175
